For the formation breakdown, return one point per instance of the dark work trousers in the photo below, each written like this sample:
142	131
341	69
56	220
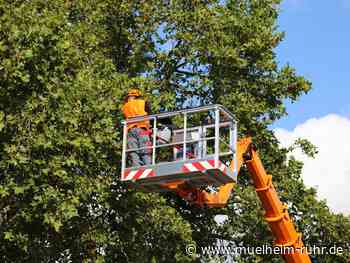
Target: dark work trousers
138	138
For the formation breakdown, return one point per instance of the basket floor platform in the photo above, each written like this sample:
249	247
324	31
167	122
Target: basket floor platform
192	173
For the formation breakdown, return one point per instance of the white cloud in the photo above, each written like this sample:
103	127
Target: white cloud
329	172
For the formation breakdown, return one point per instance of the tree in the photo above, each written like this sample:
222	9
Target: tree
65	67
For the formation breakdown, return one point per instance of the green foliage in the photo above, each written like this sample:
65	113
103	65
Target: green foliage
308	148
64	69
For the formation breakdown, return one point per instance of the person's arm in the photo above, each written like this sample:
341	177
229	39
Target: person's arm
148	107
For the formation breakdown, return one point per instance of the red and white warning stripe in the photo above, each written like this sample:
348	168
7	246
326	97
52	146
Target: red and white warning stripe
138	174
202	166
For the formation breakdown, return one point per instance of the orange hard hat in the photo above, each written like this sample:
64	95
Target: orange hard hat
134	92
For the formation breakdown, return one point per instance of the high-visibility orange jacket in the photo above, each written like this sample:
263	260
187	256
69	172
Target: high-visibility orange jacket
135	108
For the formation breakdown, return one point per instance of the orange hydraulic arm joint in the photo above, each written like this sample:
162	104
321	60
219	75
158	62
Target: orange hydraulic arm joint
276	213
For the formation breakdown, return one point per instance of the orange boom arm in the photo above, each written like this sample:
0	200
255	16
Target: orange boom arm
276	213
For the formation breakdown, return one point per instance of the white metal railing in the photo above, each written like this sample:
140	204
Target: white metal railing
220	118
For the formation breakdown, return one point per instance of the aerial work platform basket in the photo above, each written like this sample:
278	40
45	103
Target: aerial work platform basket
201	150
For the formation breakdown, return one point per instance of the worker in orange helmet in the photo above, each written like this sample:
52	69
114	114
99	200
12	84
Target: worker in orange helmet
139	132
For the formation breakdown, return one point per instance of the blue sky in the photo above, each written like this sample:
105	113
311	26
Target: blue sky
317	44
